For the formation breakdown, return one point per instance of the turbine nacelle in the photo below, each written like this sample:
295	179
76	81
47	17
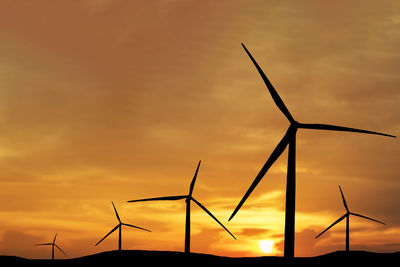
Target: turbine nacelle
188	198
289	139
119	226
347	216
290	133
52	244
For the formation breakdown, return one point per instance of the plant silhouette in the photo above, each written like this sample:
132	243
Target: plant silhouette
188	198
289	139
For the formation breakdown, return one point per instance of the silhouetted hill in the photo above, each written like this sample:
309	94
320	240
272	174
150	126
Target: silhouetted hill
169	258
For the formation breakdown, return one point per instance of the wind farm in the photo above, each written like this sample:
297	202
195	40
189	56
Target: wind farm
115	102
288	140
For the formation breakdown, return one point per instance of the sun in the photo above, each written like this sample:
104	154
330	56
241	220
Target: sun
266	246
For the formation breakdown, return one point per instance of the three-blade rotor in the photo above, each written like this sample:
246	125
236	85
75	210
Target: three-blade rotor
52	244
347	214
188	197
291	132
119	225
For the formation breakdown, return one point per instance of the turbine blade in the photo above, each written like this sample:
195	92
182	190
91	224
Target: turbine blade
44	244
159	198
344	200
130	225
116	213
109	233
194	179
365	217
274	156
54	240
317	126
277	99
212	216
337	221
60	249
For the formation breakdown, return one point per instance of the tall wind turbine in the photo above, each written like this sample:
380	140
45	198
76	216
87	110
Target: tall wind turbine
119	227
289	139
188	198
52	244
347	216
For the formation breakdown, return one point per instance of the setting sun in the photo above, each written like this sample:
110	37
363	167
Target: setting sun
266	246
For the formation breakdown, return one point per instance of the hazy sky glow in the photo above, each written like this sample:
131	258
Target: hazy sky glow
116	100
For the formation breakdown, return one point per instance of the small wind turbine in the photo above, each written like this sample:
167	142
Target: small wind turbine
119	226
187	198
289	140
347	216
52	244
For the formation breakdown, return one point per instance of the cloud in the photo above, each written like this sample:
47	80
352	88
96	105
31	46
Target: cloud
306	245
253	231
22	244
115	100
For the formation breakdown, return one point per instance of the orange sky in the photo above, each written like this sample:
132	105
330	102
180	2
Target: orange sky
115	100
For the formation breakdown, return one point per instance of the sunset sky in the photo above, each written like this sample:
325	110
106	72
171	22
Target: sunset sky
106	100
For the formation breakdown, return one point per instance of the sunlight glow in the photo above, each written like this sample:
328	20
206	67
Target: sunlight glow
266	246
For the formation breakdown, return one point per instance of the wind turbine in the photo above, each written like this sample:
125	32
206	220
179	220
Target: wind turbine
119	227
188	198
347	216
52	244
289	139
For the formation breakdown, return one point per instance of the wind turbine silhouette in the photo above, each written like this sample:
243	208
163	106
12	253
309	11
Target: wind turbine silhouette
289	139
119	227
347	216
187	198
52	244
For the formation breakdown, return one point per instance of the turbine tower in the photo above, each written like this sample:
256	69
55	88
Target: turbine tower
347	216
188	198
289	139
52	244
119	227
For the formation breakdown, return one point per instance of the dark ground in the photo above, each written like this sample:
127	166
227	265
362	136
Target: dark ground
168	258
